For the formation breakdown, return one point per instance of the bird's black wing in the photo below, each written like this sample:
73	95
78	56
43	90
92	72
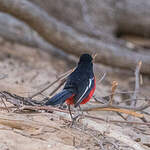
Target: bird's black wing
84	89
81	81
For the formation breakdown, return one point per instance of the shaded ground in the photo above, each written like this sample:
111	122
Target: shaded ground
28	70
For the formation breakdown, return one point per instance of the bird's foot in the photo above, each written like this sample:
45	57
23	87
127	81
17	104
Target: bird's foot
73	121
76	119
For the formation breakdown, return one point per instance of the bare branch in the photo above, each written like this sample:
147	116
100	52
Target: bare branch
51	109
61	77
58	87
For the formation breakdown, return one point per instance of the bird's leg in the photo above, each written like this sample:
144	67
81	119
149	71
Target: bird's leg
78	115
82	117
70	112
72	118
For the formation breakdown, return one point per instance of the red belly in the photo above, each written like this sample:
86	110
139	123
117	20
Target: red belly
70	101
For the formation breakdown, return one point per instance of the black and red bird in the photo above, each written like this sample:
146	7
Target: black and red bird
80	85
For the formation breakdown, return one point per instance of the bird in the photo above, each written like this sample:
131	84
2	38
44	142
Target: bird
79	87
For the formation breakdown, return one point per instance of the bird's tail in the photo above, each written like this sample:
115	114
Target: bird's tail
59	98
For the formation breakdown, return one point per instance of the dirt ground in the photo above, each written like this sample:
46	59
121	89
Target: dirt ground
26	70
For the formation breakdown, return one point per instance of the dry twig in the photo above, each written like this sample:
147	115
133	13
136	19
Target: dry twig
61	77
4	104
137	84
104	75
114	131
58	87
51	109
19	100
125	111
114	86
99	106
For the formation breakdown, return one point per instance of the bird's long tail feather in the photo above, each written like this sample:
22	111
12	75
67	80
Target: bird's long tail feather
59	98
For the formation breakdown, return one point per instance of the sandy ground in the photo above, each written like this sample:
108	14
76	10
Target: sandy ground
27	70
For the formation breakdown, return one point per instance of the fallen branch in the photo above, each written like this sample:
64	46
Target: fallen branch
125	111
55	109
19	101
47	108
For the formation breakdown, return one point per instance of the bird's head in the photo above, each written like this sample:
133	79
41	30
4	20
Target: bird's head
85	58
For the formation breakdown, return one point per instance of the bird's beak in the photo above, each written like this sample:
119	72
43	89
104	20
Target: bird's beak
94	57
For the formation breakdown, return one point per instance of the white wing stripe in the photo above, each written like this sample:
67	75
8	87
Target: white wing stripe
90	83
